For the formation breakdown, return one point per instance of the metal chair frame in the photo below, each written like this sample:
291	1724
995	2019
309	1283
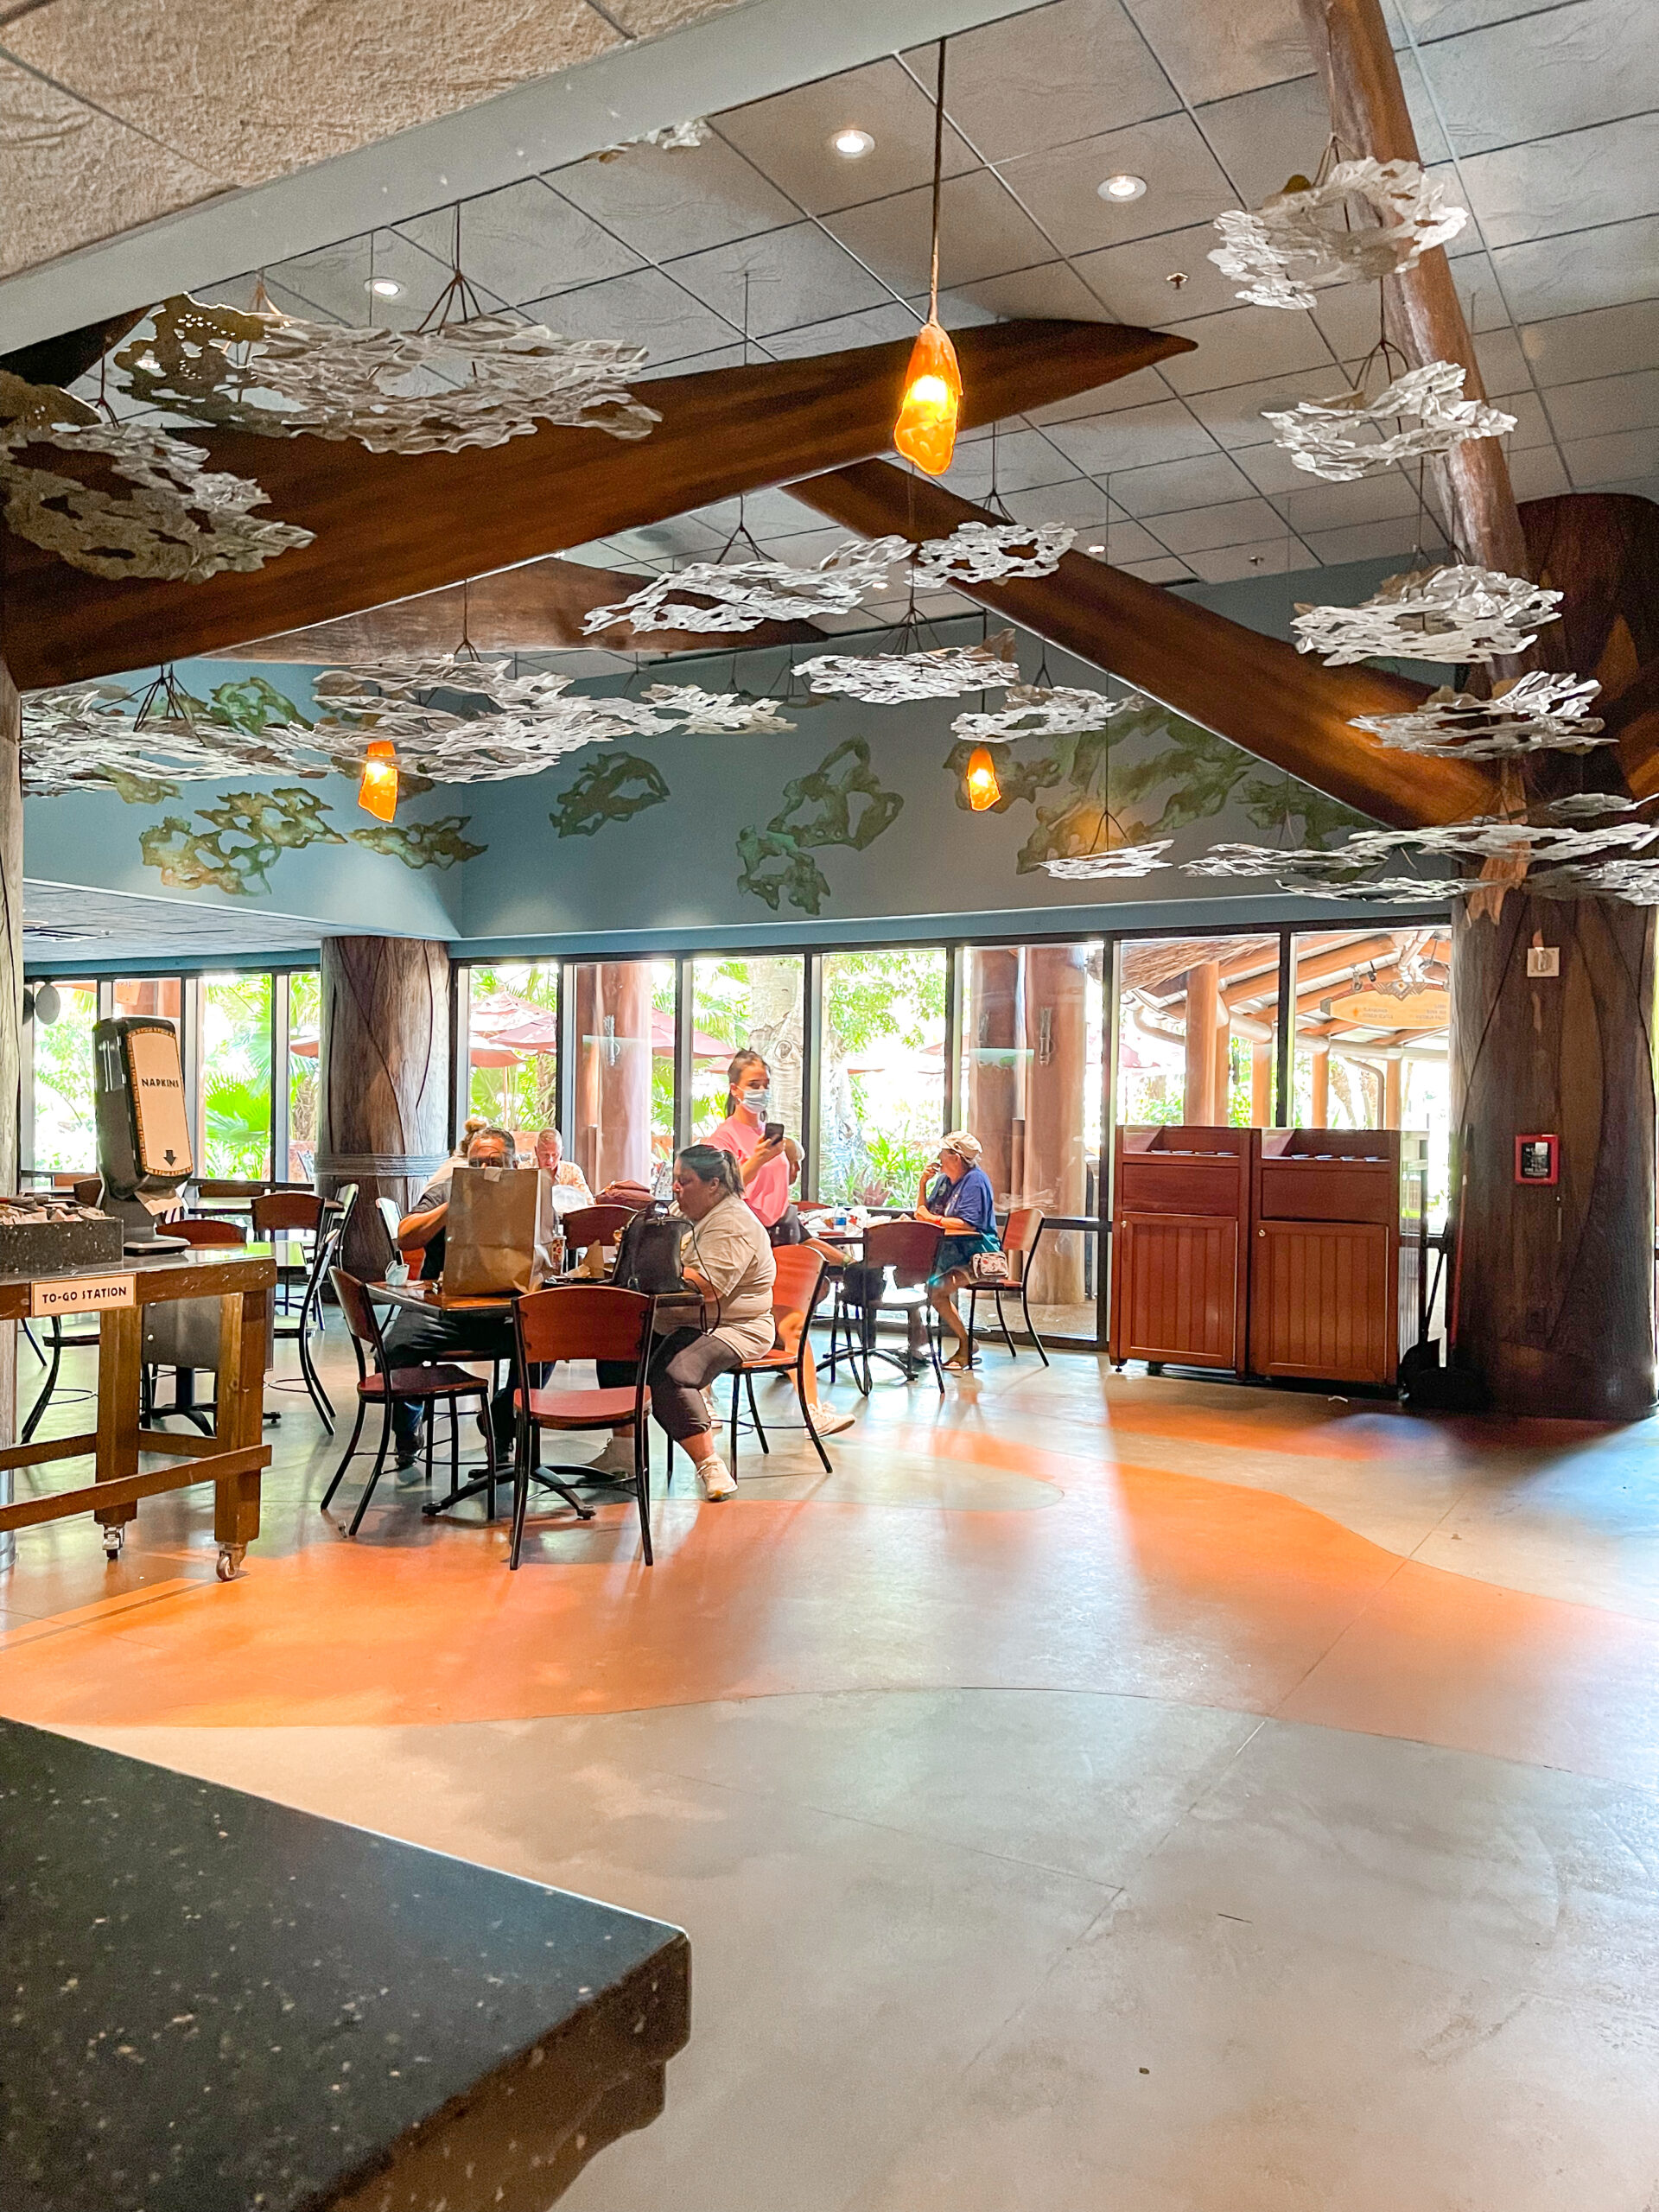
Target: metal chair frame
325	1251
569	1322
1021	1289
864	1344
803	1298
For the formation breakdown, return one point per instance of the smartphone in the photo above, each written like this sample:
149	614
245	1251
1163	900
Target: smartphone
775	1131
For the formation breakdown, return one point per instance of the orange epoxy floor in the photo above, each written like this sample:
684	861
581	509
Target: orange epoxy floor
1003	1538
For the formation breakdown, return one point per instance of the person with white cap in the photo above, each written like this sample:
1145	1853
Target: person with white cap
956	1196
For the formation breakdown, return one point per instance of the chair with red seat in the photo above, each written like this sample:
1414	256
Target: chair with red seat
440	1385
574	1321
1020	1234
797	1288
596	1224
907	1249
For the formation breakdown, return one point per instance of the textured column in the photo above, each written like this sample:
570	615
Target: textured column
11	1002
992	1104
1319	1108
1393	1070
1555	1296
383	1089
1202	1014
614	1071
1056	1168
1261	1082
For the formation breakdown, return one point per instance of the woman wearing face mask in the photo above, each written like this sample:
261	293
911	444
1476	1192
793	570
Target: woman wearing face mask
767	1167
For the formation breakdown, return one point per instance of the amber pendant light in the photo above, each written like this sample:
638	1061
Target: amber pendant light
377	789
926	430
984	788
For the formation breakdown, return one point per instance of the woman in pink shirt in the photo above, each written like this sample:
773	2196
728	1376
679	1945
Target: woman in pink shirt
768	1166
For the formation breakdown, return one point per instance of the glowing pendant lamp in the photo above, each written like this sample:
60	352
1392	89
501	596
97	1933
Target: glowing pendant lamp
983	789
376	790
926	430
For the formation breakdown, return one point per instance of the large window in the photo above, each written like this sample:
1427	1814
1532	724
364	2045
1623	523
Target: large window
1033	1034
513	1045
1198	1031
234	1080
1373	1012
624	1074
882	1080
754	1002
304	1036
65	1134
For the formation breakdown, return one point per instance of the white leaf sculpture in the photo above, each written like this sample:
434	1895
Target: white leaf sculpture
710	714
1037	710
1454	614
184	522
742	595
1123	860
1320	435
1538	713
981	552
889	679
528	721
83	738
476	383
1302	241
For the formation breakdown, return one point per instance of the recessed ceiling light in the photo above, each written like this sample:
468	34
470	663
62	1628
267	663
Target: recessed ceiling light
852	144
1097	549
1122	186
383	288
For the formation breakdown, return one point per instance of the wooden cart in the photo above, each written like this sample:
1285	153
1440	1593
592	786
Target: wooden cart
232	1459
1181	1222
1337	1252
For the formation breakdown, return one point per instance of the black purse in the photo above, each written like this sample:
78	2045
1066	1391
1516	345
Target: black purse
648	1256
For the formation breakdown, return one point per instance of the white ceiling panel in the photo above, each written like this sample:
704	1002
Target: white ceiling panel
1052	293
1211	53
1442	19
1261	137
1248	343
1612	342
1611	460
1062	186
1076	69
873	326
1539	474
1233	522
1503	364
1314	505
982	234
1572	181
793	277
1171	485
1133	279
1364	541
703	196
1604	404
788	137
1080	503
648	307
1266	556
524	242
1575	276
1145	388
1562	69
1134	437
1165	569
1485	306
1023	459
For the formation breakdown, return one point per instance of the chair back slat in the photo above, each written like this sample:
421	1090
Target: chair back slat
582	1321
201	1231
287	1209
796	1286
595	1225
1024	1226
359	1313
222	1187
906	1247
87	1190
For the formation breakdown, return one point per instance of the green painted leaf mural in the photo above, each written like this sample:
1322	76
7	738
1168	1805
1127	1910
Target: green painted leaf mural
270	822
613	788
422	844
841	801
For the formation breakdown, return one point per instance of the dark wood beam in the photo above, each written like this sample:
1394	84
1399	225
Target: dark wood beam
1257	691
536	608
389	524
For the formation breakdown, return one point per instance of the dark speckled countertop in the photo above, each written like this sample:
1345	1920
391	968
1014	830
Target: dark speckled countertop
213	2004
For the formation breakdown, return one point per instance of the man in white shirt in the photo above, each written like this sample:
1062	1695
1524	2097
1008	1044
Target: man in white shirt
569	1189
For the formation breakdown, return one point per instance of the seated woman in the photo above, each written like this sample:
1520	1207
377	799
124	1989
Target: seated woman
728	1256
959	1200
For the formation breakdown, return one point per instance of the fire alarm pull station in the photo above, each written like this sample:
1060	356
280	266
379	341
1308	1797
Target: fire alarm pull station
1537	1160
1543	959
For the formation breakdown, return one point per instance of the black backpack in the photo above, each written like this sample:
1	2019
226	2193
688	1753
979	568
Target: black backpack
648	1254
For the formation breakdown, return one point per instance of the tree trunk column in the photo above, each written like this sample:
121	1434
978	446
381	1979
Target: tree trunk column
383	1086
11	1014
1056	1168
992	1102
614	1057
1555	1290
1203	1021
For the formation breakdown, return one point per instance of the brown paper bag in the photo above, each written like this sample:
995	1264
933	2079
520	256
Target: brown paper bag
500	1233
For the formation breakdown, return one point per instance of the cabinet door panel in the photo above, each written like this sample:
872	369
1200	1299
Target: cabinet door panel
1176	1290
1319	1303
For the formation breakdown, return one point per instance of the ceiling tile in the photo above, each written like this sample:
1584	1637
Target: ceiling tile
683	537
1349	316
662	203
1070	70
1209	53
1608	343
1233	416
983	233
1314	505
840	334
1051	293
1364	541
1272	470
1604	405
1571	182
1438	19
1082	503
1144	389
1267	557
1174	485
1245	344
1570	66
1134	437
1613	459
1023	459
1261	138
1133	278
1477	283
1502	363
795	276
1532	426
1603	268
1121	542
1538	474
646	308
771	514
1061	188
788	137
1234	522
1162	570
523	242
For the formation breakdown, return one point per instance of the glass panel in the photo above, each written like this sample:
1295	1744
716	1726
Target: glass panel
65	1130
625	1070
1033	1025
156	996
1373	1014
752	1002
1197	1033
514	1045
304	1032
236	1075
882	1082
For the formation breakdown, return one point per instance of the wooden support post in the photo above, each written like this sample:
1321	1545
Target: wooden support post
1260	1083
1202	1014
1556	1286
1393	1070
613	1136
993	1042
1056	1171
1319	1108
11	1001
1224	1065
383	1089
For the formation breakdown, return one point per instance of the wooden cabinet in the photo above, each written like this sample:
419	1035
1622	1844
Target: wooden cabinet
1336	1252
1181	1222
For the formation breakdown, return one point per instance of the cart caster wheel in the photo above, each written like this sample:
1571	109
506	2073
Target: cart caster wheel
230	1557
113	1540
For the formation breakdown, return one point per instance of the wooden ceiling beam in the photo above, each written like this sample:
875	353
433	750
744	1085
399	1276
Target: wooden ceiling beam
389	525
1255	691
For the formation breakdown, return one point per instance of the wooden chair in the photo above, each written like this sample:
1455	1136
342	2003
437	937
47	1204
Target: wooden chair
379	1384
203	1231
574	1321
797	1288
596	1224
908	1247
87	1190
1020	1235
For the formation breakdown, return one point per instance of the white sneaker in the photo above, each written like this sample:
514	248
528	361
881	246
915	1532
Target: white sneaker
717	1479
615	1460
829	1420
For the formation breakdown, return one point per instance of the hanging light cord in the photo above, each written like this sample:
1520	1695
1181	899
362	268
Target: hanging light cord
938	171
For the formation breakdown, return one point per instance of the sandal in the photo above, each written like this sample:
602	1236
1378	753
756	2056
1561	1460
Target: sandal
957	1364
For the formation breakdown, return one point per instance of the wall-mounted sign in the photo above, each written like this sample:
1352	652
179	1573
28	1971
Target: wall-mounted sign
1543	959
82	1294
1537	1159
